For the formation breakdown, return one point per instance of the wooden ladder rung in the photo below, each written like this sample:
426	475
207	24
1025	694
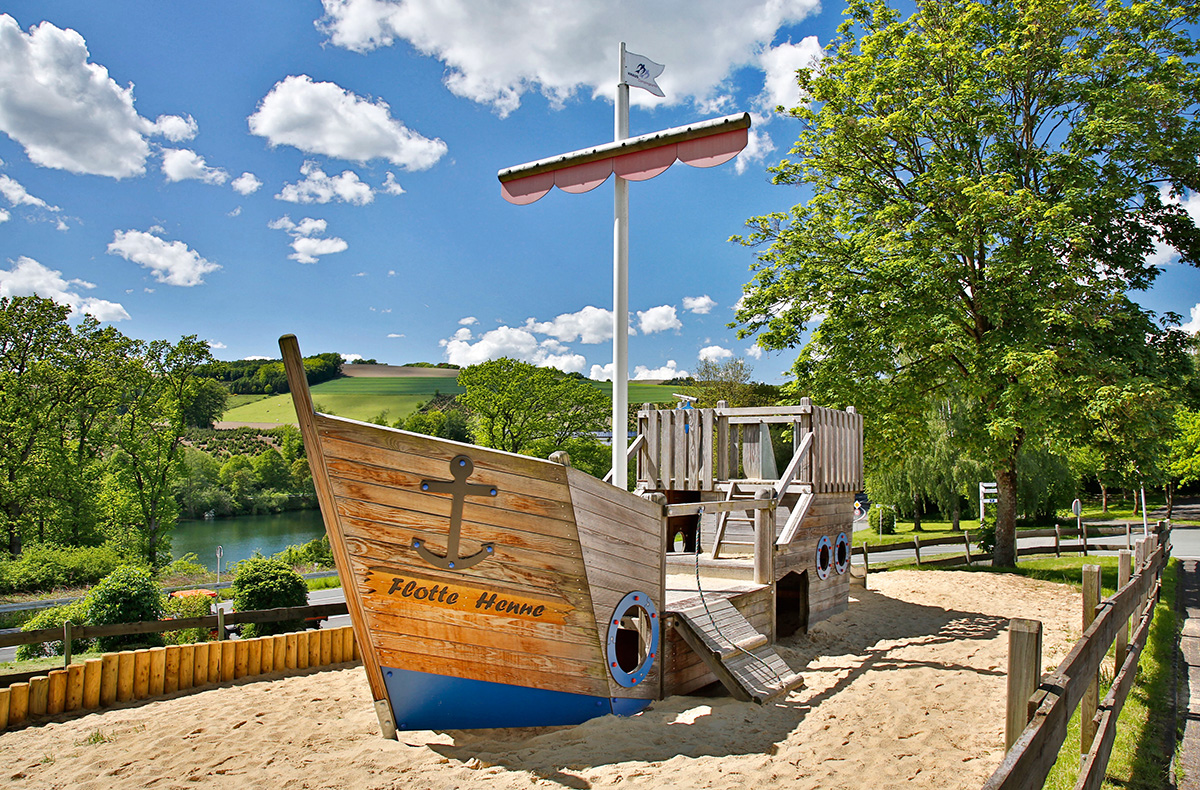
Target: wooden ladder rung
747	645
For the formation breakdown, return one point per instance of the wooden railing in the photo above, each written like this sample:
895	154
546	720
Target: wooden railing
1049	709
699	449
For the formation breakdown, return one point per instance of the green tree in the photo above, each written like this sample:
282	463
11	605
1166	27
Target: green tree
514	404
149	432
207	404
272	471
727	381
987	179
262	583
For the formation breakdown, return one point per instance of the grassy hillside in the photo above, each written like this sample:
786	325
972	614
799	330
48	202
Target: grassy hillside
366	398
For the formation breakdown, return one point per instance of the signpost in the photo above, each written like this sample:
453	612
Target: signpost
220	551
704	144
987	496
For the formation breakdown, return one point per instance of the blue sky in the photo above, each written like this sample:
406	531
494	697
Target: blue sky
244	170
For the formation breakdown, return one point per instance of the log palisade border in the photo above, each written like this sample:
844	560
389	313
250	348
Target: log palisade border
130	675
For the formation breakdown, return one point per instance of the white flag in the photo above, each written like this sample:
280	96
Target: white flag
640	72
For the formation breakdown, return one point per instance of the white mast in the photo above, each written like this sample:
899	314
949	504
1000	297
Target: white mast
620	379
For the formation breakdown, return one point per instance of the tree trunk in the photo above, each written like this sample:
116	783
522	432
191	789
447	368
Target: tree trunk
955	515
1169	494
1005	553
917	513
1104	498
1135	502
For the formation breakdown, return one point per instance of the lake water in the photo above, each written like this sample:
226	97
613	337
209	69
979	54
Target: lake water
240	537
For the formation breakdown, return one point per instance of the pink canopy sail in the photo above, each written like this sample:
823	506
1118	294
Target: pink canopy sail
704	144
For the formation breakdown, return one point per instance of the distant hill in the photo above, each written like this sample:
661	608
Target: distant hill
396	371
365	397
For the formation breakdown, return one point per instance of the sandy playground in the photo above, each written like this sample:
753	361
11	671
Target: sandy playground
906	689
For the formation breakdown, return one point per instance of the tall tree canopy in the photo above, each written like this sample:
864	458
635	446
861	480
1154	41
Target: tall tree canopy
987	181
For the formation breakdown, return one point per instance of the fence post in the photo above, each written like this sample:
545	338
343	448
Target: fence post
1057	541
917	548
1091	699
866	561
220	623
67	644
1024	672
1128	538
1124	572
967	544
1083	536
764	540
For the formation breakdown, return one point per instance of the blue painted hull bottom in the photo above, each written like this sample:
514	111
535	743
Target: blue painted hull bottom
423	701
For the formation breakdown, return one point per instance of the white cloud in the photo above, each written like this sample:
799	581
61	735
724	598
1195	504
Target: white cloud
352	357
1192	326
391	186
658	319
307	244
468	321
1164	253
254	357
4	215
700	305
324	118
15	193
172	262
601	372
667	371
67	113
754	352
394	334
176	129
780	63
758	146
495	53
216	345
714	353
317	187
245	184
28	277
463	348
181	164
568	363
589	325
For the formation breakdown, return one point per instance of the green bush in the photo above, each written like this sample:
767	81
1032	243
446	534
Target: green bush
986	535
314	553
55	617
889	519
127	595
262	583
44	567
187	606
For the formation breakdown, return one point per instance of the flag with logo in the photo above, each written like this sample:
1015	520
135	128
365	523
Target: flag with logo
641	72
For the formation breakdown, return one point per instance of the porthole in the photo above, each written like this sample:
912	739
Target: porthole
841	553
632	642
824	556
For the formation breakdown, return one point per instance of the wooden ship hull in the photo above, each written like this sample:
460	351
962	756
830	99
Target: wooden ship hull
488	589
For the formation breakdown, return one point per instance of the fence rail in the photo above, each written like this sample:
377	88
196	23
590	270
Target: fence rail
1028	762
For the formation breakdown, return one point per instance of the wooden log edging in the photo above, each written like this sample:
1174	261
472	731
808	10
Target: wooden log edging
116	678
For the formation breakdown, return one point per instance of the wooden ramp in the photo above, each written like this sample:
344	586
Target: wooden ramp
741	658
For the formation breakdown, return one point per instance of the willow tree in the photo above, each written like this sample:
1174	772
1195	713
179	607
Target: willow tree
988	180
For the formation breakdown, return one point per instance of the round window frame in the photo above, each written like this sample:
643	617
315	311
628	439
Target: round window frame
623	678
827	544
842	540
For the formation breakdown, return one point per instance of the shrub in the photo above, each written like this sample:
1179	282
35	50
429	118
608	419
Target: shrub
55	617
127	595
181	606
986	535
262	583
314	553
43	567
182	570
889	519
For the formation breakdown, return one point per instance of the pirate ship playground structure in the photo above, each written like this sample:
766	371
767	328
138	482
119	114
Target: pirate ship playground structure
488	589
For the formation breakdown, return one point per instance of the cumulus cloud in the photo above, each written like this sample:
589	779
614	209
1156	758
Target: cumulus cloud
468	321
754	352
495	53
463	348
325	118
245	184
171	262
215	345
391	186
700	305
66	112
780	64
15	194
714	354
181	164
28	277
758	146
667	371
4	215
308	245
176	129
1192	326
317	187
658	319
1164	253
589	325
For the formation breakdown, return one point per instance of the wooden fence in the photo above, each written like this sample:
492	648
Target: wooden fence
151	672
1049	709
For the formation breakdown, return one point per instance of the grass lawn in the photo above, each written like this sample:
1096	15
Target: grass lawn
366	398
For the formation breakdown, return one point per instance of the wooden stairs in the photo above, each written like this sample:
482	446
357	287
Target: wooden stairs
741	658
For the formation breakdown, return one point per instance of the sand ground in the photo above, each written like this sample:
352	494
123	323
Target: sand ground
906	689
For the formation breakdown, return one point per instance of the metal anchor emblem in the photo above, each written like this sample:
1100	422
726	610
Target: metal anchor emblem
461	468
